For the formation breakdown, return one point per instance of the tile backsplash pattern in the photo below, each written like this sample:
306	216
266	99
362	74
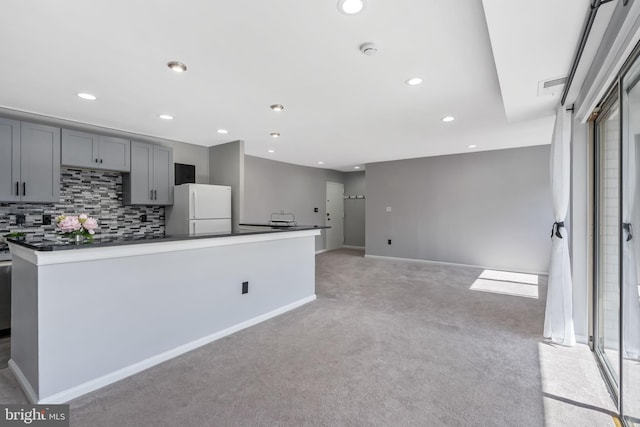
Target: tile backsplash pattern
96	193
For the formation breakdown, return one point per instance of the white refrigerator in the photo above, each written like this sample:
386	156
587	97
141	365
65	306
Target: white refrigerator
199	209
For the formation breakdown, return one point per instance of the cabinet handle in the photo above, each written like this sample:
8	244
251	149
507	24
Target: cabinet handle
150	194
17	188
155	194
24	188
100	160
96	160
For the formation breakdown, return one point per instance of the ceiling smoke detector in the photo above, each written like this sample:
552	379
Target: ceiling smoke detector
369	49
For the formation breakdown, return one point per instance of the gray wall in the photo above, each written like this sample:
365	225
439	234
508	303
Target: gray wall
272	186
490	209
354	208
226	167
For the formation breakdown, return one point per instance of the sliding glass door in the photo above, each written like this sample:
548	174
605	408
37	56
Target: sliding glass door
630	210
617	231
607	244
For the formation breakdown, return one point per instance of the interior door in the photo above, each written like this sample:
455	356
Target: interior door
335	215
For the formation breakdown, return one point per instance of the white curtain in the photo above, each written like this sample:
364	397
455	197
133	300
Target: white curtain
558	317
631	308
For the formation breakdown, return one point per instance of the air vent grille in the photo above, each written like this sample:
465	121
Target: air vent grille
551	86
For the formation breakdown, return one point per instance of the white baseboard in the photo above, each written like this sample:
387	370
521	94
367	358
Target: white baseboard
450	264
23	381
321	251
353	247
89	386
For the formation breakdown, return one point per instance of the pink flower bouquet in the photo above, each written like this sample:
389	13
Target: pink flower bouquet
81	225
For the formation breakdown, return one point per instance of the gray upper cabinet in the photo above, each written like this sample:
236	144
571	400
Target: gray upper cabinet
9	160
29	162
151	179
86	150
163	175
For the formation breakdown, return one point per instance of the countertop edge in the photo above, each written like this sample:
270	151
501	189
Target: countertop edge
135	248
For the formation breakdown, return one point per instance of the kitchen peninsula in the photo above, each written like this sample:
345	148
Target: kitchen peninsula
88	315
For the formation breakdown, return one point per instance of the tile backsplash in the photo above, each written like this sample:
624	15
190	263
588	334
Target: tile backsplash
96	193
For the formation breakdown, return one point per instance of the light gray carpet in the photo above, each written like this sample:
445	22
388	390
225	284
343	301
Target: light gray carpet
386	344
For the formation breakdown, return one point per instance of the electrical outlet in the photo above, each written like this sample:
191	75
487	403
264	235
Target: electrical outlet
245	287
20	219
388	241
143	218
46	219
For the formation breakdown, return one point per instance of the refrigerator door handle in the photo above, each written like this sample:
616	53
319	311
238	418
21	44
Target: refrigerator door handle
193	227
194	205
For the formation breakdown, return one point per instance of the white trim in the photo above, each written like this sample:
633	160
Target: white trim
23	382
123	251
353	247
321	251
89	386
450	264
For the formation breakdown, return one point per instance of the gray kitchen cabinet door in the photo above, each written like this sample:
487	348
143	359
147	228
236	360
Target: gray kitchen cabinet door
79	149
9	160
137	185
39	163
162	175
114	153
150	181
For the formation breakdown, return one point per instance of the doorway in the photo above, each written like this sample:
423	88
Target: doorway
335	216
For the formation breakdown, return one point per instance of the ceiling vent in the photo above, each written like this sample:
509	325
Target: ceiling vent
552	86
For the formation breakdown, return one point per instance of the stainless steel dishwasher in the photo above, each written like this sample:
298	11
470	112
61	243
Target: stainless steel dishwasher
5	296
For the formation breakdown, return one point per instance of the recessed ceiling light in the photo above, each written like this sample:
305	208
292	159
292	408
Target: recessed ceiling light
356	167
271	151
351	7
87	96
448	119
176	66
165	117
472	146
321	163
414	81
277	107
222	131
275	134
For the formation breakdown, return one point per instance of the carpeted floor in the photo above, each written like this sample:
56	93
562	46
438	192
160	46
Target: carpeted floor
387	343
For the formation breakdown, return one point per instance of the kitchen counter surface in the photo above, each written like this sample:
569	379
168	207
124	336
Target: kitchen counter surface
101	241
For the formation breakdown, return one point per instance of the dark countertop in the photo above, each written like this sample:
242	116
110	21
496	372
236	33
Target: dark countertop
105	240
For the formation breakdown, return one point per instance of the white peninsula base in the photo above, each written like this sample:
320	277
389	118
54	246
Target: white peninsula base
87	317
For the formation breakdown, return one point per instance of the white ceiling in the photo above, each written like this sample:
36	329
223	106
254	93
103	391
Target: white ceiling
341	107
